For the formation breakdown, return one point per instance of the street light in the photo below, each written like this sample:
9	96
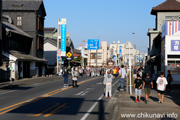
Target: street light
130	69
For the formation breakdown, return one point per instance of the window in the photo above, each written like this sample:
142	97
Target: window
99	56
93	55
174	67
19	21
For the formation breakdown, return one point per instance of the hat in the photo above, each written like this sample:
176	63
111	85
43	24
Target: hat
147	74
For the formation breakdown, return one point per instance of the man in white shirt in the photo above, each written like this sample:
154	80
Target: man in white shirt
161	87
122	74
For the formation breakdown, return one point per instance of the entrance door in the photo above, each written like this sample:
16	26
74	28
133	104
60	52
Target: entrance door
26	69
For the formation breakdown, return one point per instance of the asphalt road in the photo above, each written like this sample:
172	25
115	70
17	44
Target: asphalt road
50	101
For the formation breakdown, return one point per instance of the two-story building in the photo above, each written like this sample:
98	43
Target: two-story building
29	15
167	11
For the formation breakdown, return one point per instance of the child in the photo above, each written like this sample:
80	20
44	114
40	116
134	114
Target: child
138	83
108	83
161	87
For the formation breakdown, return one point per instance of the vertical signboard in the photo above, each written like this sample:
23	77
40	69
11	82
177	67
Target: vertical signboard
120	51
82	52
93	44
175	45
63	37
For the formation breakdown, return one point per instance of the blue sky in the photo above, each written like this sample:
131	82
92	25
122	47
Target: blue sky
107	20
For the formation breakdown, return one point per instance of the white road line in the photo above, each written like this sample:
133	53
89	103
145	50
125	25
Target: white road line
94	105
90	110
7	92
80	93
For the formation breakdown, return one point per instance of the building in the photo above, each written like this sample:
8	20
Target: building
16	48
29	15
121	56
159	46
170	49
99	57
114	55
50	48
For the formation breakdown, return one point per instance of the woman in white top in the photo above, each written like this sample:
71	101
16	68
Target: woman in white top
74	78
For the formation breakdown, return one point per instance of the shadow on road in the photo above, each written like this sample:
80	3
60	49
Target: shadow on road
62	106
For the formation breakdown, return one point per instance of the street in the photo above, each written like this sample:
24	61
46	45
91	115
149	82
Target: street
51	101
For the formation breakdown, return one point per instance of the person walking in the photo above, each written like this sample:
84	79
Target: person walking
138	83
161	87
65	75
114	71
74	78
108	83
122	75
169	79
147	85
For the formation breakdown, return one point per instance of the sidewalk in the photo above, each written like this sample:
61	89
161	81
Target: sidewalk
27	81
127	109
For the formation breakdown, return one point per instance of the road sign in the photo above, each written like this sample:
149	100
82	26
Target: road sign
63	40
58	57
68	58
68	54
58	51
175	45
93	44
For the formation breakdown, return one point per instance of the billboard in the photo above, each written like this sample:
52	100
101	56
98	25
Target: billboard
63	40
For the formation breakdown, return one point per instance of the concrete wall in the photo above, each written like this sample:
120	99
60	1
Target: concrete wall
161	18
50	53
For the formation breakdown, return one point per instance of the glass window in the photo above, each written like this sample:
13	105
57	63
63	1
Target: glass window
174	67
19	21
99	56
93	55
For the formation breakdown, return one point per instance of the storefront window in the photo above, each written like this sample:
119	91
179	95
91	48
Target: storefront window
174	67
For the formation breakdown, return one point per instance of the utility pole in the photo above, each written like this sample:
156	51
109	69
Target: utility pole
58	49
139	56
130	71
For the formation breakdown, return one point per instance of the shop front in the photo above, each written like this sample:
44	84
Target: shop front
170	59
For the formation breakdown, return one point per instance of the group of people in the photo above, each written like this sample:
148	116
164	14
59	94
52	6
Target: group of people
147	83
142	82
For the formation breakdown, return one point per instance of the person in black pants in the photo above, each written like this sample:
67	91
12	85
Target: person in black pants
169	79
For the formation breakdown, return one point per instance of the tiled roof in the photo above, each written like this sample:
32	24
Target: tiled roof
168	5
22	5
14	29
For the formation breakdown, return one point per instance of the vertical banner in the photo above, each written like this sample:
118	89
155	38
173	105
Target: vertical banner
120	51
82	52
63	40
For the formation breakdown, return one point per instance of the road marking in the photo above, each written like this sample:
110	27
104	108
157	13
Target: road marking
46	110
20	104
94	105
7	92
91	109
85	93
80	93
55	110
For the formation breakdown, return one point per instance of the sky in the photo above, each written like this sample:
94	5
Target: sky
107	20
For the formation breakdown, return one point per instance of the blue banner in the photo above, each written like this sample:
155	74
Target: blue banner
63	40
93	44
